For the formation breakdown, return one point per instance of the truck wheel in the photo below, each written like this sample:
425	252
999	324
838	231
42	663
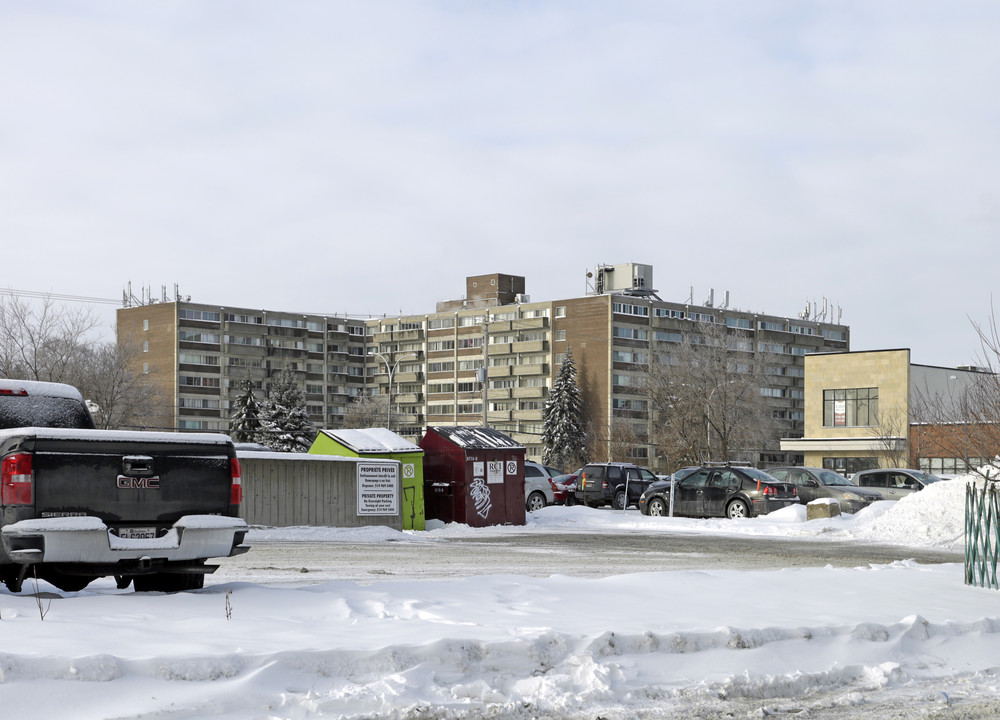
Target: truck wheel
737	509
619	502
168	582
657	507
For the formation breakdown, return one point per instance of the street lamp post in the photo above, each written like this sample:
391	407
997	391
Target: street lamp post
390	370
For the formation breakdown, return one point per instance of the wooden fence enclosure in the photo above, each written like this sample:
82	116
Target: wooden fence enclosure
282	490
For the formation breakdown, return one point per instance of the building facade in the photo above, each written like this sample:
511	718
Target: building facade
198	355
492	357
489	358
867	409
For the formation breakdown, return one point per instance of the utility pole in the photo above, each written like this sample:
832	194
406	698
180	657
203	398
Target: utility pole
486	367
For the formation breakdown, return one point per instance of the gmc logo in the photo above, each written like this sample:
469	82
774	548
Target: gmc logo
133	483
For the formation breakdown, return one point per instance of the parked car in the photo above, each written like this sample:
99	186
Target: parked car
663	483
895	483
538	490
733	491
609	484
564	489
815	483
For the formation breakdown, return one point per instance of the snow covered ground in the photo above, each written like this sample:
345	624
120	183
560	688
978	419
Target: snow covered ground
899	640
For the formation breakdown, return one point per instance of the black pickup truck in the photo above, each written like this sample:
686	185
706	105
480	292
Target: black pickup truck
77	503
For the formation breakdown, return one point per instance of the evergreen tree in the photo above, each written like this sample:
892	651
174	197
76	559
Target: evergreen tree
285	423
245	423
563	435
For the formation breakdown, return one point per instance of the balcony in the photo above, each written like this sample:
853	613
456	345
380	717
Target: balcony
408	377
498	371
407	398
528	392
501	349
534	415
530	346
499	393
539	369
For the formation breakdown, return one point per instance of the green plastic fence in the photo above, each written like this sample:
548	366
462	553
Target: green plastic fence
982	534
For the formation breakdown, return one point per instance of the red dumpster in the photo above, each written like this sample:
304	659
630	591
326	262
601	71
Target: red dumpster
474	476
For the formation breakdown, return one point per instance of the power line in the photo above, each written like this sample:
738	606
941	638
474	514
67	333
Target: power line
58	296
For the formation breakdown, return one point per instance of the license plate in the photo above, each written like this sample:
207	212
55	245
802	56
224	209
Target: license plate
137	533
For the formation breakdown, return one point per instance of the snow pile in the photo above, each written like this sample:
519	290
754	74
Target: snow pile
898	640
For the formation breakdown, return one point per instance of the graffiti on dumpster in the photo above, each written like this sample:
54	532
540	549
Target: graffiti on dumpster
480	493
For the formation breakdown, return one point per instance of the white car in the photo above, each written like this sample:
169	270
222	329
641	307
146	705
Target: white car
538	491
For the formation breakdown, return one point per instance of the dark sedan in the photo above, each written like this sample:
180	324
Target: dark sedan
817	483
725	491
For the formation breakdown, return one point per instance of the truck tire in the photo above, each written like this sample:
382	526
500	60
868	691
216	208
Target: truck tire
737	509
536	501
619	501
168	582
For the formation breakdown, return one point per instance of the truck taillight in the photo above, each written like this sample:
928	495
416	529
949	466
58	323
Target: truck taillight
236	492
17	480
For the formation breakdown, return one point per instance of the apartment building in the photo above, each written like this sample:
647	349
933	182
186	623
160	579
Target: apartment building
492	356
198	355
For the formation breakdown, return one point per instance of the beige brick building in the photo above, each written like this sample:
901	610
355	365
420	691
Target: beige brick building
862	411
491	357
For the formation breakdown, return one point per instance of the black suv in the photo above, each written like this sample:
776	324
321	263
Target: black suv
607	484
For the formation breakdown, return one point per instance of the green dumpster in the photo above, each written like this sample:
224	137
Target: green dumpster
384	444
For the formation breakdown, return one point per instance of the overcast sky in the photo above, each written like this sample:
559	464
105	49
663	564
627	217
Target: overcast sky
365	157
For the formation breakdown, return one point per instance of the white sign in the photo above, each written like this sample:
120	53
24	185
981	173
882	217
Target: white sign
512	467
378	489
494	474
478	468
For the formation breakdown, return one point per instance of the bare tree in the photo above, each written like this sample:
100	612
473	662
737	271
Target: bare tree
52	343
889	433
964	423
366	411
705	397
42	340
106	375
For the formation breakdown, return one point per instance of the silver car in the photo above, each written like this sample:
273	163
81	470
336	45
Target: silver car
895	483
816	483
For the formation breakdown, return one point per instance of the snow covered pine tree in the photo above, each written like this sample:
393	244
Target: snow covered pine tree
286	425
563	436
245	424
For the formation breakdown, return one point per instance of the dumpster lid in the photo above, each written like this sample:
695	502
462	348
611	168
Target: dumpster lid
372	440
478	438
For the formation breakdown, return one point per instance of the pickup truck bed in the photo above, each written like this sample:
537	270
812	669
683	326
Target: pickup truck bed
81	503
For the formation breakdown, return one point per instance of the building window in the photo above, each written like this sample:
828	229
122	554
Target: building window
145	368
629	333
850	465
851	407
735	322
560	311
628	309
950	466
145	324
203	315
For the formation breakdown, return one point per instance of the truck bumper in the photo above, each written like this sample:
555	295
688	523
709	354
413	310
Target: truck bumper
88	540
